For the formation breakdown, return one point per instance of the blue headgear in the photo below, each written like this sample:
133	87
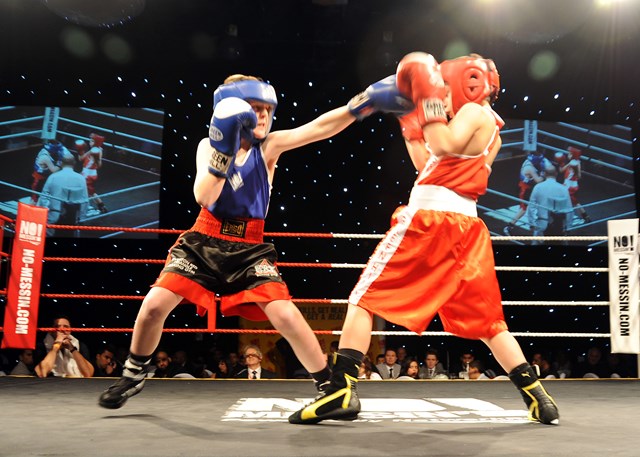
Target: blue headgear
537	159
55	150
248	89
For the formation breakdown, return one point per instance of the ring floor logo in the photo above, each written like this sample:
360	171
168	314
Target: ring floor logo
422	410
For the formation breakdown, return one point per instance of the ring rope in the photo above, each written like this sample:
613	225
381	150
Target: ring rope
328	265
322	332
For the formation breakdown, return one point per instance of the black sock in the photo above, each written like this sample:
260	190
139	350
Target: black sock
139	360
357	356
322	376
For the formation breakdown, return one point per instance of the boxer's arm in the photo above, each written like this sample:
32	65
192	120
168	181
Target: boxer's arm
322	127
467	134
207	186
418	153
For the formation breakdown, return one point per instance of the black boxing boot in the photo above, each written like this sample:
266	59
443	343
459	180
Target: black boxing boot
339	399
541	406
130	384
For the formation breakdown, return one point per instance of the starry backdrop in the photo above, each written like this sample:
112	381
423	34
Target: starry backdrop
562	61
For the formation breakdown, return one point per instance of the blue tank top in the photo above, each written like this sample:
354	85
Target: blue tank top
247	191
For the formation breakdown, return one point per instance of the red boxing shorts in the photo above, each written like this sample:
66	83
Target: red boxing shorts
225	257
434	262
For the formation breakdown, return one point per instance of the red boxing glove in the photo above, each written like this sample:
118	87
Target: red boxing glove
418	76
410	126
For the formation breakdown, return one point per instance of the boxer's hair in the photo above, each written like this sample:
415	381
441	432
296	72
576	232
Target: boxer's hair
240	77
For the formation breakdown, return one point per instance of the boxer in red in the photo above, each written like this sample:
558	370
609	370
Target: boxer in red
437	256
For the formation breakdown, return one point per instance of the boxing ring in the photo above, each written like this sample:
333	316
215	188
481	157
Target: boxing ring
223	417
606	188
129	179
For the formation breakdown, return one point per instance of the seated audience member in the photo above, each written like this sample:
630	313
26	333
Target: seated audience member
235	364
379	360
410	370
389	369
105	364
253	365
64	354
186	365
463	365
544	367
593	366
165	368
432	368
476	370
26	365
367	371
403	358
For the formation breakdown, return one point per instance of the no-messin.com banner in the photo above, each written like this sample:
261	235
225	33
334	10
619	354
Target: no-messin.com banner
623	286
23	289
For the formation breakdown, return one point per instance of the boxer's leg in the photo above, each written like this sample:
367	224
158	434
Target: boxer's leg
147	332
508	353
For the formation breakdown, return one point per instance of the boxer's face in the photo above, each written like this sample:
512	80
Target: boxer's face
448	104
263	112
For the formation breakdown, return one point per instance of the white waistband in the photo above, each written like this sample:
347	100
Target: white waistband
438	198
89	172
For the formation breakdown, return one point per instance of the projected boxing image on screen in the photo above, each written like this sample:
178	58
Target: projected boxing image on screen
88	166
583	173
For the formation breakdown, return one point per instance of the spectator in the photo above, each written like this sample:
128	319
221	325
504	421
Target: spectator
63	355
411	370
26	364
105	364
390	369
463	366
544	367
253	365
562	365
593	366
403	359
165	367
367	371
432	368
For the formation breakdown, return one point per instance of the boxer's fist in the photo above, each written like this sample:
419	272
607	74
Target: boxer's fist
381	96
418	76
232	117
410	126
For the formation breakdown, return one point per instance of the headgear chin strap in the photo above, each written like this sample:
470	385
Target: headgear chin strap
247	90
470	79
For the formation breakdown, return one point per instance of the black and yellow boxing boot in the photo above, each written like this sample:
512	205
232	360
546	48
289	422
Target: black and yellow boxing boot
542	407
339	400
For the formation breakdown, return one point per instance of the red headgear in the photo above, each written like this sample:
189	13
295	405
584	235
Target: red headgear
470	79
560	158
98	140
81	146
575	153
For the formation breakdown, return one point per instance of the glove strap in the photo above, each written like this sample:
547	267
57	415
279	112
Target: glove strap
360	106
220	163
432	111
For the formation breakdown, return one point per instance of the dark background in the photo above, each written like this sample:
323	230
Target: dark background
559	61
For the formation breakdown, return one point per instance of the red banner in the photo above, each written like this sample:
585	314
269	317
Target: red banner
23	288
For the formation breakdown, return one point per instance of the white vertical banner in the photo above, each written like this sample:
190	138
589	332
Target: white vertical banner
624	295
50	123
530	140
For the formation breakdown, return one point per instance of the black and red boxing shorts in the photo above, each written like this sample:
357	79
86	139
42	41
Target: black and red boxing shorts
228	258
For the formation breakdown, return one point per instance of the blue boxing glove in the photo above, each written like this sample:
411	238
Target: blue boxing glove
383	96
232	117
